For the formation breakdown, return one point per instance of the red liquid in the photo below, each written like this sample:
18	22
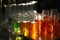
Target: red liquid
56	30
44	30
47	30
50	32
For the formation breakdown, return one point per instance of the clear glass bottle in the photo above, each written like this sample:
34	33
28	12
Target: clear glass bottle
17	24
34	29
46	27
25	24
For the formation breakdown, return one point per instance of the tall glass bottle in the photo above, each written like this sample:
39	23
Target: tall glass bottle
55	21
25	24
17	19
46	27
39	22
50	28
34	29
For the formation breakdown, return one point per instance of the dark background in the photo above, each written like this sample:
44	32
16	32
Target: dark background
42	4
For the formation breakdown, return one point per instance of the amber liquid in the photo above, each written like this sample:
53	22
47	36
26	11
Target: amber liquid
39	22
25	28
34	31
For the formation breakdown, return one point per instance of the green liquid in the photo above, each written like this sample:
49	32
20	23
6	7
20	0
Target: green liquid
17	27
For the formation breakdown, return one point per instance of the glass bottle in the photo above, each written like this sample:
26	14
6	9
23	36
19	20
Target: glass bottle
39	22
54	22
17	24
25	24
34	29
46	26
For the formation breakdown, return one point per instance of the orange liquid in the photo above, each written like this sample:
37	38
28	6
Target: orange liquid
39	25
34	27
34	36
34	31
25	28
